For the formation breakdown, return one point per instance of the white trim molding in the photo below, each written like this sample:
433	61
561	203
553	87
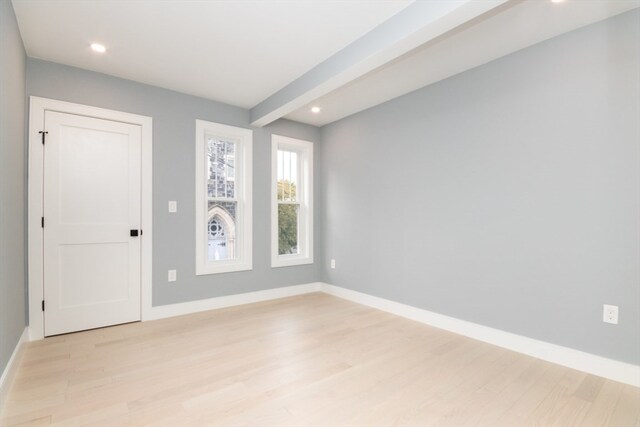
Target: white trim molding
171	310
575	359
304	200
37	109
10	370
571	358
243	197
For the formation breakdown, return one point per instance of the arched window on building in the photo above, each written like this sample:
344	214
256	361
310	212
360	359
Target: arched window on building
221	234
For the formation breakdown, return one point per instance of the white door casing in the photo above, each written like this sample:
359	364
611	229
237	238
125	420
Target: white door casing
139	305
91	201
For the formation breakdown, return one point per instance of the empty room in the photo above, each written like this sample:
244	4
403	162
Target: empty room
320	213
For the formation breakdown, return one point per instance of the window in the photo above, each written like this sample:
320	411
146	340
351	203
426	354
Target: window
223	198
291	202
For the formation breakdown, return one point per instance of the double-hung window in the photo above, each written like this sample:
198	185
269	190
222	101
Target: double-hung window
223	198
291	201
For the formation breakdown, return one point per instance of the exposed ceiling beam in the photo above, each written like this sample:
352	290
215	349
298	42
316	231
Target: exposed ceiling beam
415	25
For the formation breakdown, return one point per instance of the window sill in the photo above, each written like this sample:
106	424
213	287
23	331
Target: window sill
202	270
289	261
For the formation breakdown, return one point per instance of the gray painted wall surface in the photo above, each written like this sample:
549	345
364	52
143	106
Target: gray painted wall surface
174	116
12	183
507	195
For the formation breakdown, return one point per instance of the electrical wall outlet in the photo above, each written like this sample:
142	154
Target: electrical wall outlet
333	263
172	275
610	314
173	206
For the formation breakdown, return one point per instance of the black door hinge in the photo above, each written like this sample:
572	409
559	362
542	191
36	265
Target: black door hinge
42	305
43	133
42	222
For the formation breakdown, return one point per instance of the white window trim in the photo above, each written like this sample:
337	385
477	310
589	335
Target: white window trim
37	108
305	232
243	179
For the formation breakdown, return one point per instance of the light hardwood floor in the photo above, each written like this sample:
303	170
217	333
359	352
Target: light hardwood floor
312	360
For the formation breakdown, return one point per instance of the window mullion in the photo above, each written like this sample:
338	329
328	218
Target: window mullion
224	223
291	227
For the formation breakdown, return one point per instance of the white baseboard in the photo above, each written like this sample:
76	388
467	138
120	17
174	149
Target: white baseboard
597	365
571	358
163	311
12	366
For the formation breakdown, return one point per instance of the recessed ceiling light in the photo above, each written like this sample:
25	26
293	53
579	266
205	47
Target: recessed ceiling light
315	110
557	1
97	47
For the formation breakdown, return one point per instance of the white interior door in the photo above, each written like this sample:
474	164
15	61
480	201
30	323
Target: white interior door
91	202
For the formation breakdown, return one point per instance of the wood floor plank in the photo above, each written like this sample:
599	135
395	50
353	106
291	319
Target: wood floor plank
311	360
627	412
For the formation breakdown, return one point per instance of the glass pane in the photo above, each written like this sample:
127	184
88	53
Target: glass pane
288	229
287	176
221	167
221	230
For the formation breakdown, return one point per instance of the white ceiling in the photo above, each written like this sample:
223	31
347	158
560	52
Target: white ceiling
259	52
236	52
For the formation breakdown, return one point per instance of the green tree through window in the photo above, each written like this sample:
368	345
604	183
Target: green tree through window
287	219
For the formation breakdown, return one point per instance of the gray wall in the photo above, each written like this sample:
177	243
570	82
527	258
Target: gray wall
507	195
174	117
12	183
